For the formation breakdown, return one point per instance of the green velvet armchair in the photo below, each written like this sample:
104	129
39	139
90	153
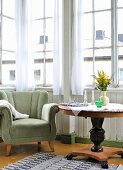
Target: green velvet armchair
39	126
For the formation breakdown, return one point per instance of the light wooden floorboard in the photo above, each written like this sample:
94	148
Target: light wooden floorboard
22	151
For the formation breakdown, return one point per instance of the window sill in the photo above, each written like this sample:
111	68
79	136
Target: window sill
110	89
10	88
49	89
13	88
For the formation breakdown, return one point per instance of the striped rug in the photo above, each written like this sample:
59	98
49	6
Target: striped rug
48	161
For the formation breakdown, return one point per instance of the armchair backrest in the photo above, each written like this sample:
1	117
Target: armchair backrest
30	103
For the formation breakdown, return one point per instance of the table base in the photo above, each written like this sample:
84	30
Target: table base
102	157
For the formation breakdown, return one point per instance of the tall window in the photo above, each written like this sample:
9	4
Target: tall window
42	33
103	38
43	41
7	41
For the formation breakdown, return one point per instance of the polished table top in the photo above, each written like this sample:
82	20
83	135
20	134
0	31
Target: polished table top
111	110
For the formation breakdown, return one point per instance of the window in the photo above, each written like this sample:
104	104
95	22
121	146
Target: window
103	38
43	41
7	41
42	33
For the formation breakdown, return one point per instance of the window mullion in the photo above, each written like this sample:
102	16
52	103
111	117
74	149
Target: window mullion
114	42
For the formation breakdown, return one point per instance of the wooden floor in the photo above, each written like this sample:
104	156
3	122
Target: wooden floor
22	151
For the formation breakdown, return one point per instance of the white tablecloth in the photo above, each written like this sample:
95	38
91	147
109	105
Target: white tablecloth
110	107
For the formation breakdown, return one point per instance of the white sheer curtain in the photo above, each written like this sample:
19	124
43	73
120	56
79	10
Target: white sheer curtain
77	80
57	55
24	59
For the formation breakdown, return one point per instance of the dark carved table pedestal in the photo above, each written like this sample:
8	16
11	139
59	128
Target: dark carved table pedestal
97	134
97	137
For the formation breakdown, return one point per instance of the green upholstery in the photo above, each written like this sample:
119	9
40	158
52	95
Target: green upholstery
41	122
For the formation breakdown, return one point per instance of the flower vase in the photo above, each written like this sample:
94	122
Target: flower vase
104	98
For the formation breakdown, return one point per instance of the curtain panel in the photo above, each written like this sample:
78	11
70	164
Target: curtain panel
24	58
57	55
77	78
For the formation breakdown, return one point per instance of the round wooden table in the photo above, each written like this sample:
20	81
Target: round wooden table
97	116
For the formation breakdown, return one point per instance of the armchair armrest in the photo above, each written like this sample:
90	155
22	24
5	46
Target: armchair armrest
7	116
6	123
49	111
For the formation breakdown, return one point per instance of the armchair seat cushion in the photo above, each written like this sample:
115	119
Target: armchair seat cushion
32	128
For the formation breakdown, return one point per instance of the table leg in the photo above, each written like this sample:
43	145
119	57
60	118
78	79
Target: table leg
97	134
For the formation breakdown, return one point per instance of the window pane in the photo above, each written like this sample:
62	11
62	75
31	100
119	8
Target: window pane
88	55
120	27
37	9
121	75
87	5
102	4
38	67
49	34
0	32
49	75
38	73
37	32
120	62
12	75
8	64
87	31
120	52
0	6
89	72
120	3
88	66
102	29
103	60
38	57
9	8
8	34
49	55
48	8
120	44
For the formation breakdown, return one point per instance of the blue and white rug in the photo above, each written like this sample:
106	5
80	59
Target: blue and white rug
48	161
